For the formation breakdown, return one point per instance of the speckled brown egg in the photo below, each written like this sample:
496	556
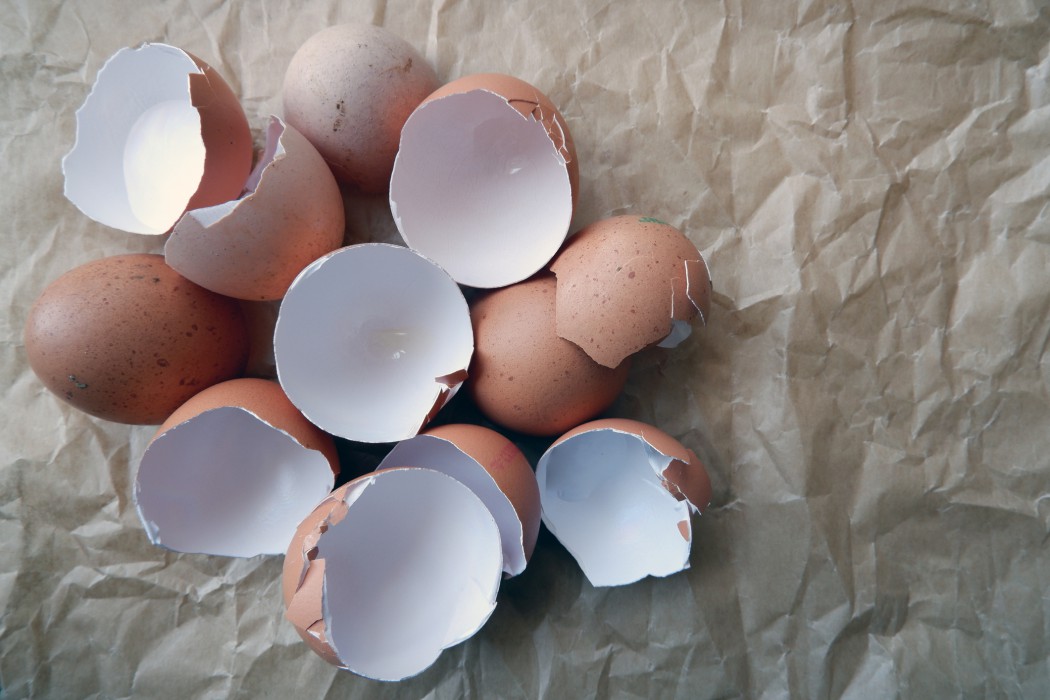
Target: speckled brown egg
127	339
349	90
523	376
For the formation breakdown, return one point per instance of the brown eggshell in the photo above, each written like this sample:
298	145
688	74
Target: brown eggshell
128	339
624	282
529	101
685	477
349	90
254	247
524	377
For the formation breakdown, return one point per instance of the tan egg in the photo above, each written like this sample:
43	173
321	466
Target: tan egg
485	180
233	471
349	90
160	133
128	339
627	283
618	494
494	469
391	569
523	376
252	248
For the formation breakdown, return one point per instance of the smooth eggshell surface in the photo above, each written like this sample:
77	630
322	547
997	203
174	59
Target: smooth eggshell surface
128	339
524	377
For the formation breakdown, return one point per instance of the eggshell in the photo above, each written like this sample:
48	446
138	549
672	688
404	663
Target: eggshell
485	180
494	469
524	377
349	90
391	569
160	132
629	282
128	339
618	495
371	341
252	248
233	471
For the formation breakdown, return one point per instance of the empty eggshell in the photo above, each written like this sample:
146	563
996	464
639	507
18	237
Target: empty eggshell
233	471
494	469
371	341
252	248
391	569
349	90
160	132
485	180
618	495
629	282
524	377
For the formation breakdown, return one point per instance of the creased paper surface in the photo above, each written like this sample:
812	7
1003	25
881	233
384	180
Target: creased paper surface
869	182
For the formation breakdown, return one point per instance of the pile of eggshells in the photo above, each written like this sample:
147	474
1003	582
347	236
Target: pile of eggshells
371	340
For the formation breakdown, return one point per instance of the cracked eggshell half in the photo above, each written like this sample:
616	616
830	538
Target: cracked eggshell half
391	569
627	283
233	471
372	341
252	248
161	132
494	469
618	494
349	89
485	180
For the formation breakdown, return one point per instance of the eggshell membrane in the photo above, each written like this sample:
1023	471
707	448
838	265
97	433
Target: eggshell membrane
349	89
233	471
618	494
627	283
494	468
252	248
485	180
141	152
128	339
393	347
390	569
523	376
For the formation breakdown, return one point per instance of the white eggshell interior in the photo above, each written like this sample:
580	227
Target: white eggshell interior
139	154
413	568
441	455
365	337
226	482
480	189
603	498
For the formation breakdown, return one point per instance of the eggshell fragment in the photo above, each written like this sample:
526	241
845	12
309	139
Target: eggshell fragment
349	90
618	495
524	377
485	180
494	469
253	247
629	282
391	569
233	471
160	132
371	341
128	339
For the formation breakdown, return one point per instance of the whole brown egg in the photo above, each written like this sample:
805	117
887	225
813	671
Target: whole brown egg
127	339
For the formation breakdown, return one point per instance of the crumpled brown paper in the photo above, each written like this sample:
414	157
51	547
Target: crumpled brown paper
869	182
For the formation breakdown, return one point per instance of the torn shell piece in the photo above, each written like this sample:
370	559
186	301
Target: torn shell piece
391	569
252	248
618	494
371	341
233	471
485	180
160	133
494	469
627	283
